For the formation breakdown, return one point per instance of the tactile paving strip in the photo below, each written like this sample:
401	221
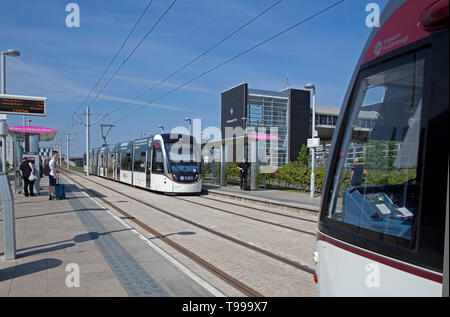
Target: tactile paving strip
135	280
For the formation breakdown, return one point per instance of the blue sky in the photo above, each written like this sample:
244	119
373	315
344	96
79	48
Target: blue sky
63	64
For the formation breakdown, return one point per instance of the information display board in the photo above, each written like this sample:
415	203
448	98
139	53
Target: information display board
23	105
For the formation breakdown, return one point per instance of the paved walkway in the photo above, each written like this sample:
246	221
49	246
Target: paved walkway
56	238
282	197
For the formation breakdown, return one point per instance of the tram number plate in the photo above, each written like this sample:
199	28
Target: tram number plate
189	178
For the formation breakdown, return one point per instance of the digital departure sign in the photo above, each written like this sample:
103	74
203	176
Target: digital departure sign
23	105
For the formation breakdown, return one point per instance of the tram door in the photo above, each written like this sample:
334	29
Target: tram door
111	165
118	162
148	170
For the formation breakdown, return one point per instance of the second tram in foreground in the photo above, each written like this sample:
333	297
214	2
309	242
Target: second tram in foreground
383	225
169	163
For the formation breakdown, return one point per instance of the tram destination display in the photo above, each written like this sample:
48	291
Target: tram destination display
23	105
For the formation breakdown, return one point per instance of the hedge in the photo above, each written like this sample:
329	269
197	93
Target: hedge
298	175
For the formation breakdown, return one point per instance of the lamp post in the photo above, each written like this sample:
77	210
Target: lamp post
190	124
10	52
13	53
244	126
313	135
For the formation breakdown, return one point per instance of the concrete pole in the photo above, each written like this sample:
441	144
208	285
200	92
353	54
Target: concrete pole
67	152
254	165
313	154
223	165
3	121
60	152
87	141
9	226
4	133
3	74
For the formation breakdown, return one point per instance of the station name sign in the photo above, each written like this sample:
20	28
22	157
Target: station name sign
23	105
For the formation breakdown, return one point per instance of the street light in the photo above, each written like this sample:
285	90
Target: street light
313	135
244	127
10	52
13	53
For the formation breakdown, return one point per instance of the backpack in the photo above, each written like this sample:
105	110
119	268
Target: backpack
46	167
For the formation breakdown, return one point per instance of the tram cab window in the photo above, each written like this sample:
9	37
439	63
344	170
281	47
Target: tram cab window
377	194
157	161
184	157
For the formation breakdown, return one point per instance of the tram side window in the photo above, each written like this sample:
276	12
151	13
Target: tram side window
378	189
139	162
157	161
125	161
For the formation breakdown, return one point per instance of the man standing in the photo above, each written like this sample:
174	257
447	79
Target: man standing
52	176
26	169
243	168
357	172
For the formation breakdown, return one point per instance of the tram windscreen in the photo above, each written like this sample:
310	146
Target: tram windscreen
376	184
183	157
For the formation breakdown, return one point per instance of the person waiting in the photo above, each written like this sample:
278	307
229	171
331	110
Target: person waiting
26	170
243	171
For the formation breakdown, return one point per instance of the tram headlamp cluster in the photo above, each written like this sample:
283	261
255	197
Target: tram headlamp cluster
176	178
182	178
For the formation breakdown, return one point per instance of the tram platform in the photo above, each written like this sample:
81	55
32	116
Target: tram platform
269	198
60	240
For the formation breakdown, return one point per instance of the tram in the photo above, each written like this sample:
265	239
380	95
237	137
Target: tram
169	163
383	222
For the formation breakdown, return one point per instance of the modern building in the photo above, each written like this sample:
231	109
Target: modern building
326	119
282	114
286	113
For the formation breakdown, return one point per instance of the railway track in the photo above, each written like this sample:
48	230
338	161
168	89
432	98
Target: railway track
260	209
248	217
245	289
311	233
216	271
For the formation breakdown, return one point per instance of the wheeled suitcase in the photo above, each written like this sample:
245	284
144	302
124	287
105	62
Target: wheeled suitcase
60	192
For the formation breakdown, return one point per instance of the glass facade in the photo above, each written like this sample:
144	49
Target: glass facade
267	110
